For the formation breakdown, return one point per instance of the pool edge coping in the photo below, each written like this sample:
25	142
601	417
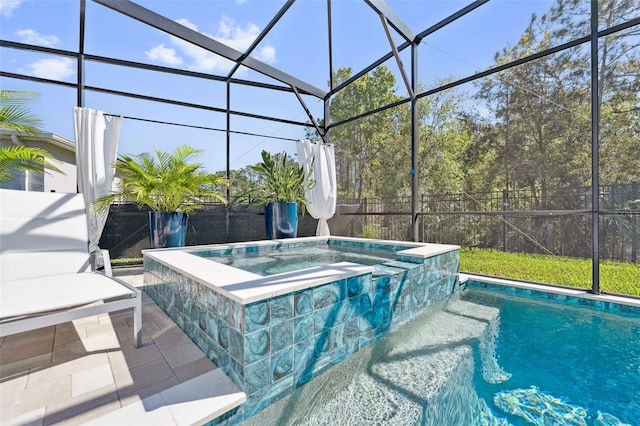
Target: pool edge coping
578	293
246	287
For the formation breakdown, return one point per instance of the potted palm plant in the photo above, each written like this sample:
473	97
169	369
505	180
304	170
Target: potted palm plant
170	185
280	188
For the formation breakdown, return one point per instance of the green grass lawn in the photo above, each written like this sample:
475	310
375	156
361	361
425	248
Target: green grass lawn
126	261
615	277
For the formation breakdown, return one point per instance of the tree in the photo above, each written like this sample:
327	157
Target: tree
16	117
239	184
443	141
538	117
373	154
358	144
539	129
618	80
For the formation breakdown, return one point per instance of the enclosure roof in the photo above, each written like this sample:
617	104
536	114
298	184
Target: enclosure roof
372	21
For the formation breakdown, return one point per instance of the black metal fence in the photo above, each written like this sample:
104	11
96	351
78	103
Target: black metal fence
556	221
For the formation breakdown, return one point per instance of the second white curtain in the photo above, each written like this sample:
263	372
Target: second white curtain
322	197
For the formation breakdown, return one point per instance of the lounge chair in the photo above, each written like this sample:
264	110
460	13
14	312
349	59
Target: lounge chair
46	274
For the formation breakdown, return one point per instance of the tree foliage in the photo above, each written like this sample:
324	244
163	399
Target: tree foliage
359	144
537	132
373	153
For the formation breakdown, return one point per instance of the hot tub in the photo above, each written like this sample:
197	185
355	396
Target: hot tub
273	331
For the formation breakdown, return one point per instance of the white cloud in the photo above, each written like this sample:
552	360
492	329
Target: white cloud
33	37
198	59
164	54
187	23
8	6
235	36
266	54
52	68
241	1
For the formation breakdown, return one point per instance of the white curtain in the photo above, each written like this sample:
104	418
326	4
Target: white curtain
96	150
322	197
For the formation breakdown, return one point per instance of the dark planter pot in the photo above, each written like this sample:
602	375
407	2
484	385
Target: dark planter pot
281	220
167	229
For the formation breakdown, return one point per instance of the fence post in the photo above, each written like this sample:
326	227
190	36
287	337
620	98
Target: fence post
422	218
505	203
366	215
634	237
635	205
227	219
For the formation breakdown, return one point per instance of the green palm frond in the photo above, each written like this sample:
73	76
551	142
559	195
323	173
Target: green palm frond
15	116
25	158
164	181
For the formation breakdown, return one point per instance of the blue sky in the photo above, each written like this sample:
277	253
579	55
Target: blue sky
296	45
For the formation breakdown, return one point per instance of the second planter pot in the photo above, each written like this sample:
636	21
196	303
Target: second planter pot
281	220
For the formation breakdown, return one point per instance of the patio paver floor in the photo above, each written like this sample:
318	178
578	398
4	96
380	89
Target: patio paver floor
82	370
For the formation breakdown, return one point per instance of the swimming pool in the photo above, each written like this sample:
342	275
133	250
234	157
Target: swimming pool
483	357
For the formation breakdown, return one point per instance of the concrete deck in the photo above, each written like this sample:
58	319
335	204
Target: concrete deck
90	369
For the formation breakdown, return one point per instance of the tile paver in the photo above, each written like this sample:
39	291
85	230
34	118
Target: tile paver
82	370
30	418
89	380
180	355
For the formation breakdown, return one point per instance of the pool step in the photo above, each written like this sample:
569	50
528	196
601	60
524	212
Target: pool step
392	267
194	402
394	380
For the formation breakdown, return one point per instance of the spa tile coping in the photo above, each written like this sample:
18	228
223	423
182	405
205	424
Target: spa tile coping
246	287
413	249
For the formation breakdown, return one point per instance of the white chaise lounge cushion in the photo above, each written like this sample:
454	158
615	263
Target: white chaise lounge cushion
40	295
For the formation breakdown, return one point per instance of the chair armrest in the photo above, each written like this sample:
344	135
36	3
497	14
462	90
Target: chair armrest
101	258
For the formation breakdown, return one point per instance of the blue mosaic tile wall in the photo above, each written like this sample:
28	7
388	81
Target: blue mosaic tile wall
271	347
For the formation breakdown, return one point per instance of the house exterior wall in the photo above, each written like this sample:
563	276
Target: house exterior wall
57	182
51	181
62	150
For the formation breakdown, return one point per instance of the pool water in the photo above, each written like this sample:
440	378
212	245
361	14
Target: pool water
587	357
482	357
271	262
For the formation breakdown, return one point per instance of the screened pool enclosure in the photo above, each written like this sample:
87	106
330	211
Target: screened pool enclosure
505	125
